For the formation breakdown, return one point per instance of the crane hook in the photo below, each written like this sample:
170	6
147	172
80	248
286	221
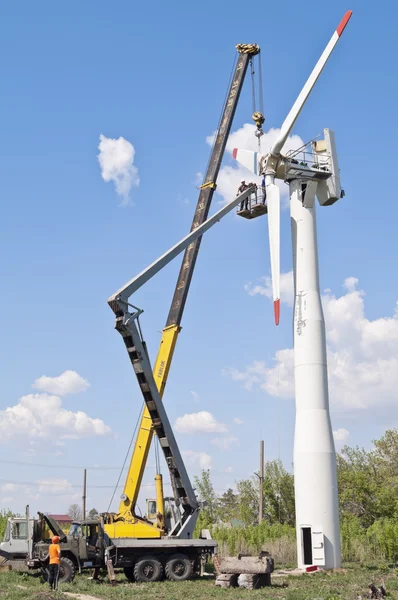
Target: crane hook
259	119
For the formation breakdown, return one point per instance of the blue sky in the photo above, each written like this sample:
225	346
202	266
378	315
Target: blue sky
156	74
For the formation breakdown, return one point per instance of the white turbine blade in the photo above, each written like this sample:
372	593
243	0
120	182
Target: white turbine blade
305	92
247	158
273	204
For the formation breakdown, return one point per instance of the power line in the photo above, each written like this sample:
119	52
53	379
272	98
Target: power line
67	485
45	466
115	487
30	464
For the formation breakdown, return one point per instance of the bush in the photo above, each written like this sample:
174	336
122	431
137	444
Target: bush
279	540
377	544
4	516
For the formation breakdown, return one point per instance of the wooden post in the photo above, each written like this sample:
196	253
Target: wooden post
84	493
261	478
111	572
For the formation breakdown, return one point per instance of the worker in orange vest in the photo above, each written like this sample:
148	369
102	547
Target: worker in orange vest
54	552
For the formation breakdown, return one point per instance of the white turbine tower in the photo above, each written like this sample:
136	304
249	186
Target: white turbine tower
317	514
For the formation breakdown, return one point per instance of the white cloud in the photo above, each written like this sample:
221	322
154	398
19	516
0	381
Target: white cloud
351	283
341	435
116	160
69	382
238	421
362	356
229	177
225	442
197	459
264	288
9	487
200	422
276	380
54	486
42	488
41	416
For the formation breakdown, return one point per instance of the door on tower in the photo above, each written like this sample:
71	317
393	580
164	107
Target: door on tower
313	545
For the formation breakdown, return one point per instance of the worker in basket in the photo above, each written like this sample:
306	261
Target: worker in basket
54	552
263	190
243	186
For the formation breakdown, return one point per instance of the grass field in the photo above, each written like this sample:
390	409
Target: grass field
346	585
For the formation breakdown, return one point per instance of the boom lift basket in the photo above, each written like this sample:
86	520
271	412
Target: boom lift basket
255	205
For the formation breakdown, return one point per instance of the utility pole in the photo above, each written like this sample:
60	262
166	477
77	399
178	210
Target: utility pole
84	493
30	533
261	478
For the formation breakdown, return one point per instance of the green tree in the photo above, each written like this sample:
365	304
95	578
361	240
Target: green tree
248	500
279	506
357	485
207	495
228	506
93	513
4	516
386	453
75	512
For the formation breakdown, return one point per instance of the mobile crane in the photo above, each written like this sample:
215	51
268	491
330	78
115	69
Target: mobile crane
126	523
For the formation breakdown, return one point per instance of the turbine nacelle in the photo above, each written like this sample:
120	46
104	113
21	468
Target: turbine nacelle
316	161
260	164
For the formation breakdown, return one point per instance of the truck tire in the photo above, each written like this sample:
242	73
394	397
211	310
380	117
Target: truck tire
179	568
129	572
67	570
148	569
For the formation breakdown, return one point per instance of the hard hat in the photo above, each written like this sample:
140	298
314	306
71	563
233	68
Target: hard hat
55	539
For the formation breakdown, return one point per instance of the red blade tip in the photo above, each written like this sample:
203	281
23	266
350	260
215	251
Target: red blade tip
234	152
277	310
344	22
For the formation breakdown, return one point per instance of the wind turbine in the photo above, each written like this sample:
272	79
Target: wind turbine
317	511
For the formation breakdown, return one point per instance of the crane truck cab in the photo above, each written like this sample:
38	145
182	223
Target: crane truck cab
172	513
26	545
19	533
82	547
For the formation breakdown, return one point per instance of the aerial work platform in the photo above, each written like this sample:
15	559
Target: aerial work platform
254	206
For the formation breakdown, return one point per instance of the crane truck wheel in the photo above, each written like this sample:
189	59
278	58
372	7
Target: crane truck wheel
179	568
67	571
148	569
